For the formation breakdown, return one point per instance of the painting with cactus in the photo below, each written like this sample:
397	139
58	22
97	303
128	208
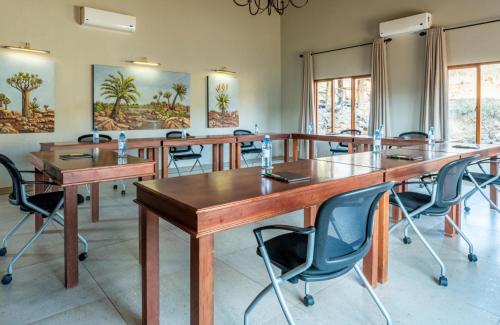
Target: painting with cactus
26	94
138	98
223	101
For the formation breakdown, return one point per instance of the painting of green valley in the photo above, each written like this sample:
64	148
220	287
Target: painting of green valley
140	98
26	94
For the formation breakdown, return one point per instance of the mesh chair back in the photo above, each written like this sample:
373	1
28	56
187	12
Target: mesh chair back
449	182
344	227
351	132
413	135
179	149
15	197
247	144
89	138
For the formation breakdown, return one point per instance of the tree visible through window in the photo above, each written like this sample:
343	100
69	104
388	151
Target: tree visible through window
342	103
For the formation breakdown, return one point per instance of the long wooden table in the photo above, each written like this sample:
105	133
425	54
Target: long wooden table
205	204
68	174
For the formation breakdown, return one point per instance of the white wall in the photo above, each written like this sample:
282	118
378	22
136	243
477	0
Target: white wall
326	24
189	36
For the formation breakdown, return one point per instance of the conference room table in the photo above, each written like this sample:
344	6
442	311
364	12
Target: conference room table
98	167
203	205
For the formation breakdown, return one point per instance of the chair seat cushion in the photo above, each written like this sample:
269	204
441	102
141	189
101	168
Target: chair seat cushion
481	178
340	149
48	201
251	150
187	156
413	200
290	250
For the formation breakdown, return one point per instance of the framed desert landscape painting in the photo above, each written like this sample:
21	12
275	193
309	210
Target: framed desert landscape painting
140	98
223	101
26	94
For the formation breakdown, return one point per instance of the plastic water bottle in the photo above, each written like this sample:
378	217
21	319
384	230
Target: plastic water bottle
122	145
377	142
95	136
267	153
184	131
310	128
382	130
256	131
432	137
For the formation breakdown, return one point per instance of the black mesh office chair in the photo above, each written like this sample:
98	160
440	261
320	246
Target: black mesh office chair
341	237
446	191
481	180
248	147
103	138
47	204
343	147
183	153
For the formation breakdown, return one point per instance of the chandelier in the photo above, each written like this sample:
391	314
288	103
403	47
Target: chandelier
259	6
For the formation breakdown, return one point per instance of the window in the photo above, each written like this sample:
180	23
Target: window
342	103
474	103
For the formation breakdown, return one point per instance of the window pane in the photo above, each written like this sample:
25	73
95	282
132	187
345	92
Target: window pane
342	112
324	109
462	104
363	90
490	103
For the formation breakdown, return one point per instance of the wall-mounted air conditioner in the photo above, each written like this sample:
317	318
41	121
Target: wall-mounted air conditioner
410	24
107	19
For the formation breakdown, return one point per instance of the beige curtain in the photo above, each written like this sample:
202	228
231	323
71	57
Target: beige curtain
435	102
307	111
379	106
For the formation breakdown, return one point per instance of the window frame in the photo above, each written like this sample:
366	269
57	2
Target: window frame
476	66
332	94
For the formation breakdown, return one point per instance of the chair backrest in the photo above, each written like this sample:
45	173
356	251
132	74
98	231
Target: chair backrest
178	135
344	227
449	182
15	197
413	135
247	144
89	138
351	132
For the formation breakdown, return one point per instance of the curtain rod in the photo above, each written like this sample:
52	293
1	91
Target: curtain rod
346	48
468	25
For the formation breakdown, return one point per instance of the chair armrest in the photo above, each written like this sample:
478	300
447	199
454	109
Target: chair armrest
298	230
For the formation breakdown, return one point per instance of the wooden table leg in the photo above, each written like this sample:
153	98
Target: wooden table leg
286	149
456	216
39	188
237	155
370	262
157	154
94	201
494	171
397	213
383	238
164	161
70	237
311	149
140	152
215	154
221	156
310	216
202	280
350	147
232	157
295	154
150	266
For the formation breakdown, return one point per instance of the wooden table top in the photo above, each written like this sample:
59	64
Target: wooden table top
484	150
199	139
205	203
105	166
133	143
260	136
357	139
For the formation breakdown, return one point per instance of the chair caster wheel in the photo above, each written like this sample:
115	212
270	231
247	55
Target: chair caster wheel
467	209
87	198
115	187
83	256
443	281
7	278
3	251
407	240
124	193
308	300
472	257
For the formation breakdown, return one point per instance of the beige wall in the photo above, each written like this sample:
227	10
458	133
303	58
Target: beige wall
189	36
326	24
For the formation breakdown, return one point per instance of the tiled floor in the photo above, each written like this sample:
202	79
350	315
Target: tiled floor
109	290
